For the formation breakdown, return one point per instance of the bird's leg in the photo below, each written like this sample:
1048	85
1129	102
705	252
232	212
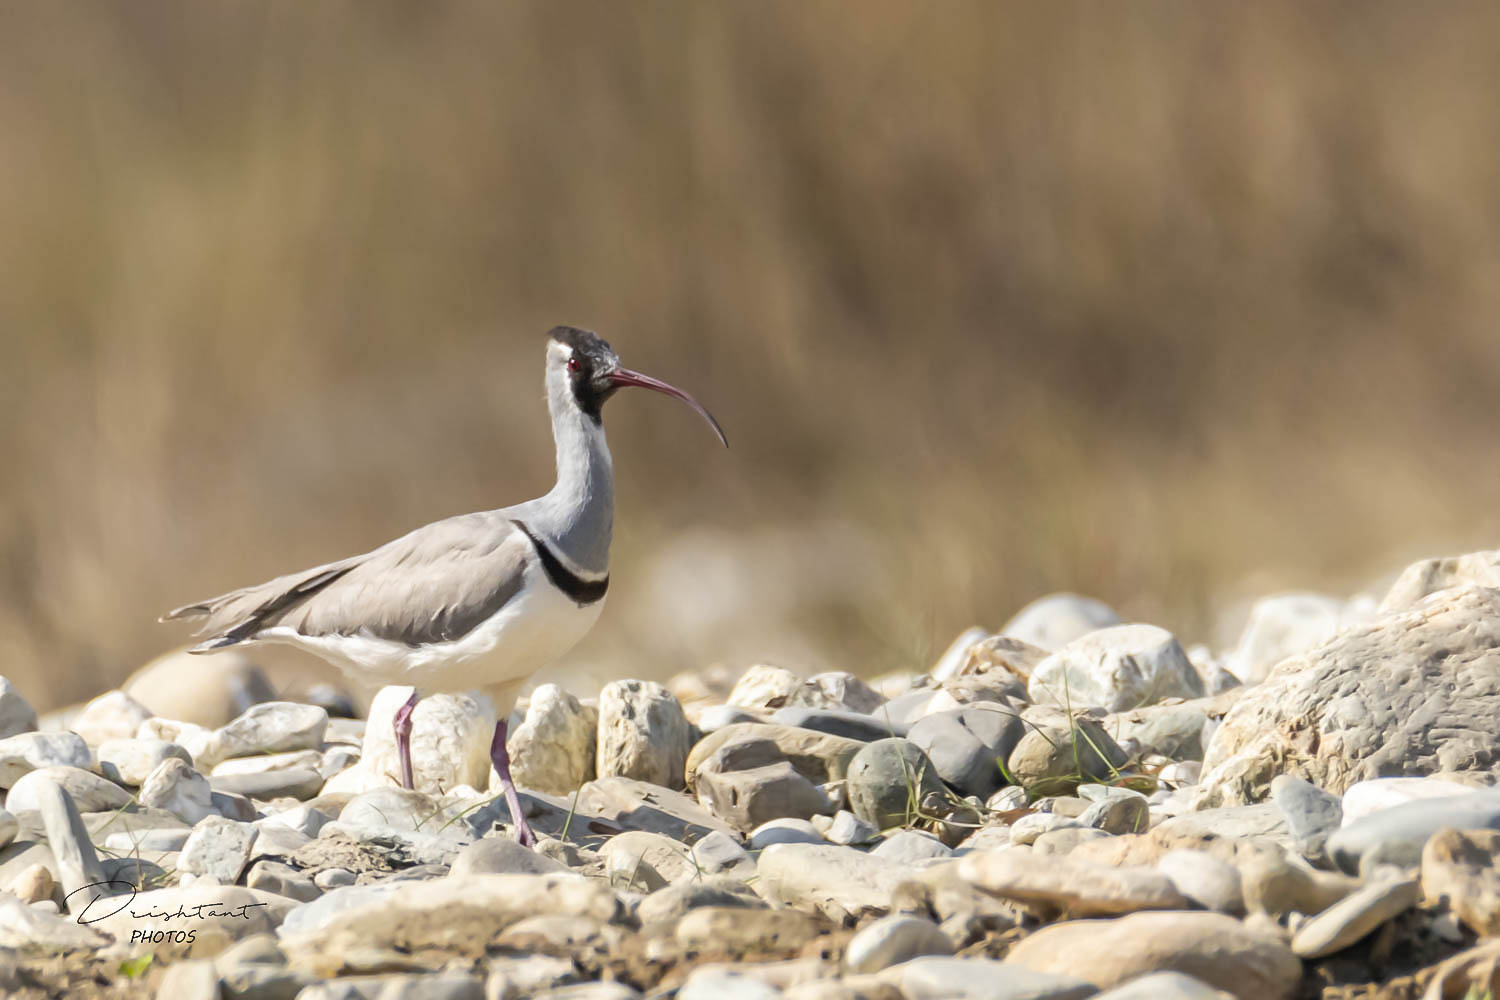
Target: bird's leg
501	759
403	738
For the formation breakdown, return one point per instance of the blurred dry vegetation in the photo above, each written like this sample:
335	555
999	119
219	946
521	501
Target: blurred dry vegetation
1166	303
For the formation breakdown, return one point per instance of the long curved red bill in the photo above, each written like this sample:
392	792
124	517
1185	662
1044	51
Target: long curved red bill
624	376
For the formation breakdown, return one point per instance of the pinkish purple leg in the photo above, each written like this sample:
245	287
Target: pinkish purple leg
501	759
403	738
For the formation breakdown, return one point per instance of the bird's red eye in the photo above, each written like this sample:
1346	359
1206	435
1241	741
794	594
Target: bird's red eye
573	365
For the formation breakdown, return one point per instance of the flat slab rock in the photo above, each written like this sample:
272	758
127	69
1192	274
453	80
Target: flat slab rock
1078	888
1415	691
1218	950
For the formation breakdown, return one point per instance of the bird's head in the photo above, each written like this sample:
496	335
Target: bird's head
589	367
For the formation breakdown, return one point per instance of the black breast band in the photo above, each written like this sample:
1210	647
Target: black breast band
582	592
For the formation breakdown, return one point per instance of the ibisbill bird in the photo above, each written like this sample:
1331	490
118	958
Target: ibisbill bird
479	600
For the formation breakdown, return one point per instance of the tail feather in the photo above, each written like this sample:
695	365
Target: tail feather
238	615
187	611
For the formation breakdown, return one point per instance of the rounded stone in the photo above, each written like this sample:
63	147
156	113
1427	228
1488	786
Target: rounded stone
892	940
888	780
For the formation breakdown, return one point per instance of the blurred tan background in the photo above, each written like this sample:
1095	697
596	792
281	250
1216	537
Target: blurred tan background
1167	304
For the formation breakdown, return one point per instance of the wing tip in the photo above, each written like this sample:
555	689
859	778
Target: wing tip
213	645
186	611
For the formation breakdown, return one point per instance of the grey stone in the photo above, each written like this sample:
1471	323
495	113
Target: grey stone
206	690
674	901
16	715
1311	813
839	722
1428	576
1205	879
175	787
839	882
1063	841
908	847
1030	828
1409	693
553	750
1053	621
77	863
625	803
501	856
23	753
150	841
965	744
90	793
1123	811
1401	831
1174	729
716	717
218	848
848	829
1049	761
1078	887
261	763
283	880
1116	668
113	715
268	727
1217	949
420	915
892	940
1284	625
746	799
936	978
644	861
1354	917
888	780
818	757
904	711
303	819
784	831
334	878
233	806
719	852
1278	884
764	687
1228	823
1364	798
643	734
131	761
293	782
1164	986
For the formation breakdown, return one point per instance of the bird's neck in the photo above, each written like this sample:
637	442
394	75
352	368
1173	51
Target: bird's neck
579	510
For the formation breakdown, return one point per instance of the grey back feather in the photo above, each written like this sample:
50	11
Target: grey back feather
434	584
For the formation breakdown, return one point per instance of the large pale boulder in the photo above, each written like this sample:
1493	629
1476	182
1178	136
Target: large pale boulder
1053	621
1217	949
553	750
450	742
1412	692
643	733
1428	576
1284	625
210	691
1116	668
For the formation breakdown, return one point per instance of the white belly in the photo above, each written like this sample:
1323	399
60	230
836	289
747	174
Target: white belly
535	628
